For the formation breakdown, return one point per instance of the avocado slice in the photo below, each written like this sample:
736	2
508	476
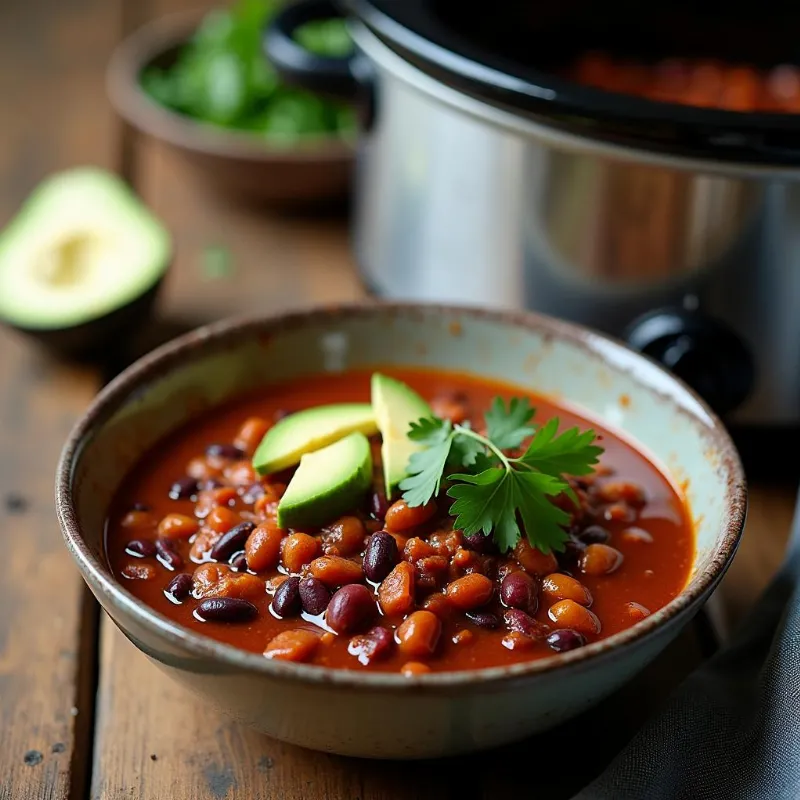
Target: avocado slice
396	406
287	441
81	247
328	483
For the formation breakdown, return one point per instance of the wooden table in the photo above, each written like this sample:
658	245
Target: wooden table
82	714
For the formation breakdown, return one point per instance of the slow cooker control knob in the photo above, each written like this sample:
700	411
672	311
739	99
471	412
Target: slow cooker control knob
703	352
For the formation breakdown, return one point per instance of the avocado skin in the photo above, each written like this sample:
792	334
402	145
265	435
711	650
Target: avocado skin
98	336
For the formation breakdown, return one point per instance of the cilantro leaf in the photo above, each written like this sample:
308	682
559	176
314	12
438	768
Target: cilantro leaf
509	428
493	500
572	452
427	466
467	451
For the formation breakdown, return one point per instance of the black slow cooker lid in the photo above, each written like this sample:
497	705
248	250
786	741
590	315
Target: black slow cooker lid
509	52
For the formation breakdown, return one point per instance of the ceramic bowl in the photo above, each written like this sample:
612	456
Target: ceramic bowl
316	171
388	715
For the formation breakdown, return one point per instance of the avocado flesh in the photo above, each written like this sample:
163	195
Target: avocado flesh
396	406
328	483
286	442
82	246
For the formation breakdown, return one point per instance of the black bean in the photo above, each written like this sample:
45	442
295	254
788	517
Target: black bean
167	554
484	619
573	550
314	596
183	489
238	562
141	548
140	507
594	534
565	639
379	505
230	451
180	587
371	646
517	620
225	609
479	543
286	602
232	541
380	556
351	608
518	591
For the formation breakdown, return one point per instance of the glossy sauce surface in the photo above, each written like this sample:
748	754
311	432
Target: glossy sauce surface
655	538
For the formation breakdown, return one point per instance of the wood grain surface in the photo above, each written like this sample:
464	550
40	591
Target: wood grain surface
149	739
52	56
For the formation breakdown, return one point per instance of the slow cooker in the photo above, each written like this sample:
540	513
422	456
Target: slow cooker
487	174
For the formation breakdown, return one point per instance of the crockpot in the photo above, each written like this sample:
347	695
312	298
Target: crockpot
485	176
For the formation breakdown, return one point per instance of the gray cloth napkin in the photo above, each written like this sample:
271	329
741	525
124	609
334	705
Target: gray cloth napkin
731	731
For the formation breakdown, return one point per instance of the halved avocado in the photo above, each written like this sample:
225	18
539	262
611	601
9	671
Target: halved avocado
305	431
396	406
82	261
328	483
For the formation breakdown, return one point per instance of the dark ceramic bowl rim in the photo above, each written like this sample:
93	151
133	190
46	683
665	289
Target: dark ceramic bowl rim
133	104
160	361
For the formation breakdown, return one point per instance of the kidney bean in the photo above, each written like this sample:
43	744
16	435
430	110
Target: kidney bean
286	602
381	555
345	536
138	520
413	668
400	516
297	550
594	534
235	539
636	536
238	562
250	434
351	607
563	587
484	619
379	505
335	571
179	588
568	614
177	526
225	609
140	548
480	543
470	592
569	558
637	611
139	572
396	592
184	489
600	559
314	596
565	639
263	547
418	634
525	624
534	561
167	554
375	644
227	451
518	591
621	492
297	645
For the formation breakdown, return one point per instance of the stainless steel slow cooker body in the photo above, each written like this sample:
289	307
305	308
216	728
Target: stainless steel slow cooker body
692	260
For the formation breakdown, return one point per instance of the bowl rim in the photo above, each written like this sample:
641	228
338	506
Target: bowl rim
148	116
161	360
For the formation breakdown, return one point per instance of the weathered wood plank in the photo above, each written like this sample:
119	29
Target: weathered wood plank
52	58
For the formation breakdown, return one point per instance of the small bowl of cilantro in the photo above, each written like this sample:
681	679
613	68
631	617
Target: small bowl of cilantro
201	83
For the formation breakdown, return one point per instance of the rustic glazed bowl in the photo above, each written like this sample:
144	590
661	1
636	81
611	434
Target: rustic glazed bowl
388	715
315	171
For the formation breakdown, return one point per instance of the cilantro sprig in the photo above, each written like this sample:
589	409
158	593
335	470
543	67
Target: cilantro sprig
495	491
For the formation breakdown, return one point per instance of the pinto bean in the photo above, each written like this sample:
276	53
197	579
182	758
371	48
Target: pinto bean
298	645
471	591
335	571
568	614
396	592
263	547
419	634
400	516
534	561
297	550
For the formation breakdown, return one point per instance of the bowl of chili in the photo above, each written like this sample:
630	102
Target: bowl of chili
564	507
